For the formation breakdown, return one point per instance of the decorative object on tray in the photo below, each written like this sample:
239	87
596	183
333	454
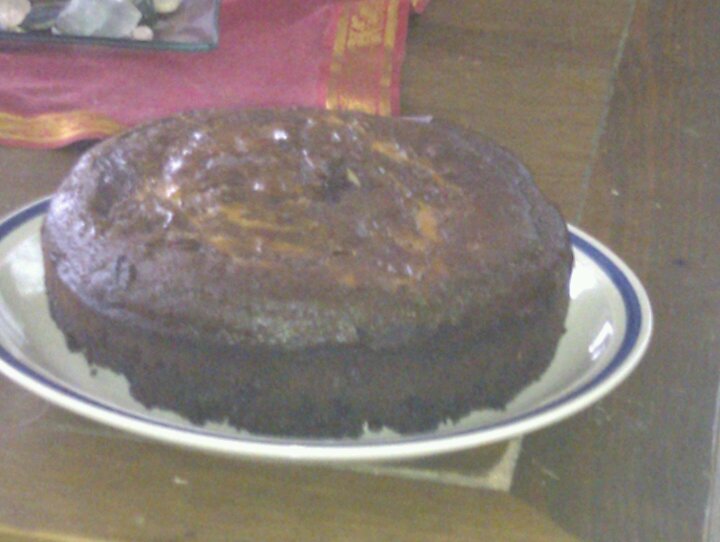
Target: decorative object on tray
170	24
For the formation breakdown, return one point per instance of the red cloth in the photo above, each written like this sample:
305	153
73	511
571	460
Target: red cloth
317	53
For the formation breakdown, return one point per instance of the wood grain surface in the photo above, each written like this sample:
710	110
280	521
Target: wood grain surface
638	466
615	106
535	76
133	490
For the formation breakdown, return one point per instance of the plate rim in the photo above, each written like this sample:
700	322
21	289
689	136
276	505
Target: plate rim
636	338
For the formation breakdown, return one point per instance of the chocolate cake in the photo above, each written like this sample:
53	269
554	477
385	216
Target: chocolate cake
308	273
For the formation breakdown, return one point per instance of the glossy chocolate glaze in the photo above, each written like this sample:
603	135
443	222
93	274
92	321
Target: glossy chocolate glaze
297	229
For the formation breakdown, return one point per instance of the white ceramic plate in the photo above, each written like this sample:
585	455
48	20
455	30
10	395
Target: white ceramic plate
609	326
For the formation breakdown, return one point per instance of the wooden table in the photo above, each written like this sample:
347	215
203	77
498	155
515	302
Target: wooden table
615	106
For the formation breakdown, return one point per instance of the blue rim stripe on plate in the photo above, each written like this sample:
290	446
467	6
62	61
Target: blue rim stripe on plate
619	279
18	219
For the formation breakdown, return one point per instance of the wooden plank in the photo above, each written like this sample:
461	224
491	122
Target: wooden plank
637	466
26	175
535	76
61	481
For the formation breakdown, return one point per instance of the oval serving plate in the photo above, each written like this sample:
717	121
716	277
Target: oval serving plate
608	330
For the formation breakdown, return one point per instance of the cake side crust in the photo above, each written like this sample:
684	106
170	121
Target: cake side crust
323	392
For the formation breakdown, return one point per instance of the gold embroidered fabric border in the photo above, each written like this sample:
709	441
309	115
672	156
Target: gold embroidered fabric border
361	70
55	129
